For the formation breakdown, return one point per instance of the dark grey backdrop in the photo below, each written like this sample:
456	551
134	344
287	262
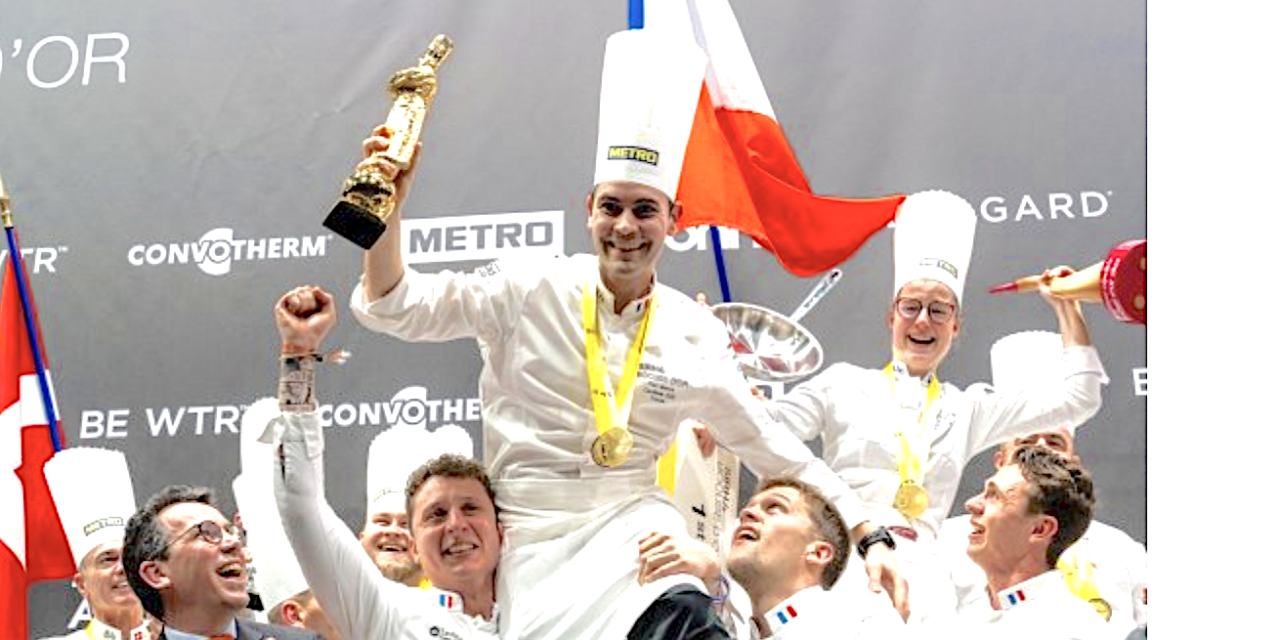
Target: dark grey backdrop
237	121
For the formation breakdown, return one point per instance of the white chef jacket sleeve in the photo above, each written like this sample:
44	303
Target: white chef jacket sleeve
804	410
1000	416
1135	559
341	576
436	307
741	423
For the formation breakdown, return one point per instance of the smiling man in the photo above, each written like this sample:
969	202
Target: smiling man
452	520
1036	506
393	455
187	564
94	496
590	364
897	434
1106	567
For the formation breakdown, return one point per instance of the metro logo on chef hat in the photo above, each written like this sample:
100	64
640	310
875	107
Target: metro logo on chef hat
933	239
93	492
648	95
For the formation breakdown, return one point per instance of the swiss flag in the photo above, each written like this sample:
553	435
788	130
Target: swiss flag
32	544
739	170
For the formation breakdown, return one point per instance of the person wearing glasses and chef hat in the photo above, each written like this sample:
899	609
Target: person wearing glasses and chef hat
896	433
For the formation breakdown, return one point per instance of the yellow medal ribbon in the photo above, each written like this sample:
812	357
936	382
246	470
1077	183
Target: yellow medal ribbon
614	442
912	500
1078	572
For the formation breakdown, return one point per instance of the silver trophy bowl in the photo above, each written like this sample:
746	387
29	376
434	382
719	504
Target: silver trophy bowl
767	344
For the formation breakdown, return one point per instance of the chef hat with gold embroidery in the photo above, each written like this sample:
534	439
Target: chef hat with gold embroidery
648	95
933	238
93	493
276	574
393	455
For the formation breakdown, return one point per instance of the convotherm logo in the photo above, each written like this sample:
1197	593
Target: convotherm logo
214	252
482	237
411	405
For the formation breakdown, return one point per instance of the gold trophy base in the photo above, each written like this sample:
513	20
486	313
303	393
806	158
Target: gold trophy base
361	215
355	223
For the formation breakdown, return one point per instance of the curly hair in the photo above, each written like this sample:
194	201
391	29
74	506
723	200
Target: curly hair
446	466
1059	487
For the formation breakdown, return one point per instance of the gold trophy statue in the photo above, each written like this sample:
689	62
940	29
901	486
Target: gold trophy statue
367	196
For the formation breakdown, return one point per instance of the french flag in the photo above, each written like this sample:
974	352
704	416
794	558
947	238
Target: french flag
739	170
787	615
1016	597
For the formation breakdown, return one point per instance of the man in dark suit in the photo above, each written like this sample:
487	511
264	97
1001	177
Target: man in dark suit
187	563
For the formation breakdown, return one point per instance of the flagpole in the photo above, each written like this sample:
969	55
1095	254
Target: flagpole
635	20
635	14
19	276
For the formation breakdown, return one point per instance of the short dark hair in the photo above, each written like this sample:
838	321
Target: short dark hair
145	539
1059	487
448	465
827	524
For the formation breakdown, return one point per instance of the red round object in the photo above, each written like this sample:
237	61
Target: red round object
1124	282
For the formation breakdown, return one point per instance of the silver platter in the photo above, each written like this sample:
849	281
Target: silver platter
767	344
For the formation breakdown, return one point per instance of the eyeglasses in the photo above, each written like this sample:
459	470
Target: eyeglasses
211	532
939	311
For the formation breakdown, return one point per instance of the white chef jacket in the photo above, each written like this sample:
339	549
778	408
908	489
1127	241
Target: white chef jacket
1119	566
527	317
359	601
853	411
1041	608
99	630
815	613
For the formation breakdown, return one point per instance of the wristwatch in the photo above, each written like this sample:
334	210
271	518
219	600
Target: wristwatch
879	535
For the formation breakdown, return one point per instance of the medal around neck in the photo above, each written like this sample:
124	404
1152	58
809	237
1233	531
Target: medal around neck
911	500
368	196
611	448
1102	607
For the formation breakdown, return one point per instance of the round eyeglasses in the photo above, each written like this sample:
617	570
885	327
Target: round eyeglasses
939	311
212	532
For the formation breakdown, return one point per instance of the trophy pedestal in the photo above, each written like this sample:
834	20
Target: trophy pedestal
355	224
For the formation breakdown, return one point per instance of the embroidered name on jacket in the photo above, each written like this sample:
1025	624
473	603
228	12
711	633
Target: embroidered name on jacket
658	385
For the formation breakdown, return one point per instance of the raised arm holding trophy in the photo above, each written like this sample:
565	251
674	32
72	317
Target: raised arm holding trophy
575	520
368	195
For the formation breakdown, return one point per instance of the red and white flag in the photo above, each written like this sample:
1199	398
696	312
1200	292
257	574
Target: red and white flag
32	544
739	170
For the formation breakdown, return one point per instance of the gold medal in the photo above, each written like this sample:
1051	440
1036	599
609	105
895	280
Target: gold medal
911	500
1102	607
612	447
